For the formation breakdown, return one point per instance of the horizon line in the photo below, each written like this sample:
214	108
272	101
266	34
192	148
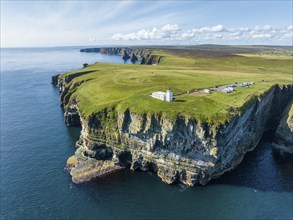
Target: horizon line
147	45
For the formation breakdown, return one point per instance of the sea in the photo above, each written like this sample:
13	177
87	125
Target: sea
35	144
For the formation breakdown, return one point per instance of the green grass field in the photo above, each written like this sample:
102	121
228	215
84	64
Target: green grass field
127	86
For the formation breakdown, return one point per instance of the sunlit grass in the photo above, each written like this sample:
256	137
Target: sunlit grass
129	86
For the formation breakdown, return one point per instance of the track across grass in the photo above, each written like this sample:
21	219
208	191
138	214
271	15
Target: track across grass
128	86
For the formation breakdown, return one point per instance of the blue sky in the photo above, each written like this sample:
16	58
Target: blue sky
69	23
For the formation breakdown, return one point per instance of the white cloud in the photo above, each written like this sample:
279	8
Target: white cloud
170	28
218	33
93	39
261	36
218	28
290	28
168	31
287	35
267	28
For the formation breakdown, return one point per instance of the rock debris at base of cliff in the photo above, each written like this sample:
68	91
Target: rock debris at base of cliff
183	150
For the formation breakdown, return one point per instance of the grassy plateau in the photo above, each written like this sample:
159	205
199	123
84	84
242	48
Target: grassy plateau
129	86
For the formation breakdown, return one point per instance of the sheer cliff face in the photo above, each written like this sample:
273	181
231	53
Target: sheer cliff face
283	140
177	150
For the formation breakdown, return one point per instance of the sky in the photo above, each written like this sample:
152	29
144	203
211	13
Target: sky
79	23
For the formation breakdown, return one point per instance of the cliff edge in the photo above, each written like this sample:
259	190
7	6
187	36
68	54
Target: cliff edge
184	150
193	139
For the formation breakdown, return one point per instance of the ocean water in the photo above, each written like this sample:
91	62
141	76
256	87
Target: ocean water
35	144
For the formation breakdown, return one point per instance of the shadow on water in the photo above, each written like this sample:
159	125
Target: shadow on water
74	133
262	169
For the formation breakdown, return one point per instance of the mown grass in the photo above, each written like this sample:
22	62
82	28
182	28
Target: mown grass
129	86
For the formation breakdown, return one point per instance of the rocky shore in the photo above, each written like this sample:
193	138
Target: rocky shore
181	150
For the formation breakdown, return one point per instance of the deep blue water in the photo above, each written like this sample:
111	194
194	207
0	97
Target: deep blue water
35	144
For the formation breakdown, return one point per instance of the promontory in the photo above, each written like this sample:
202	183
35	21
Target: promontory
188	113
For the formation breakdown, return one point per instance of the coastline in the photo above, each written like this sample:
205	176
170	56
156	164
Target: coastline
220	151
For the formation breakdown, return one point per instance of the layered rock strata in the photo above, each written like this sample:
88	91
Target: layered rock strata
181	149
283	140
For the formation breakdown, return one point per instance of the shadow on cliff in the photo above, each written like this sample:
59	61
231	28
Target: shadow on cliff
74	133
262	169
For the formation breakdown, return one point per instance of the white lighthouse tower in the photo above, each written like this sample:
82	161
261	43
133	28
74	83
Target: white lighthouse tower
169	95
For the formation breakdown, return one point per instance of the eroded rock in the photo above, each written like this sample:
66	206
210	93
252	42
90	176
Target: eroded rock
283	140
183	150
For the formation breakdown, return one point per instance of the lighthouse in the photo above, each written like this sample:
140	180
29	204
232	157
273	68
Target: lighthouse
169	95
164	96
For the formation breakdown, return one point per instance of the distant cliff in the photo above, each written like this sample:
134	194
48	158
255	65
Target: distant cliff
136	55
180	149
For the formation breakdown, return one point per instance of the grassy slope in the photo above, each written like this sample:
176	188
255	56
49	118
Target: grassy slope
129	86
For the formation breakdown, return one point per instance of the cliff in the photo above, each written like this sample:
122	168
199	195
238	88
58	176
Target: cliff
283	140
180	149
137	55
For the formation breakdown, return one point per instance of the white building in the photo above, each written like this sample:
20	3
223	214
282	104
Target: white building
207	91
165	96
228	89
245	84
169	95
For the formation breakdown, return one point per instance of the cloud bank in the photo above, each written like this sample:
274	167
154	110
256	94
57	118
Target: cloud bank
218	33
